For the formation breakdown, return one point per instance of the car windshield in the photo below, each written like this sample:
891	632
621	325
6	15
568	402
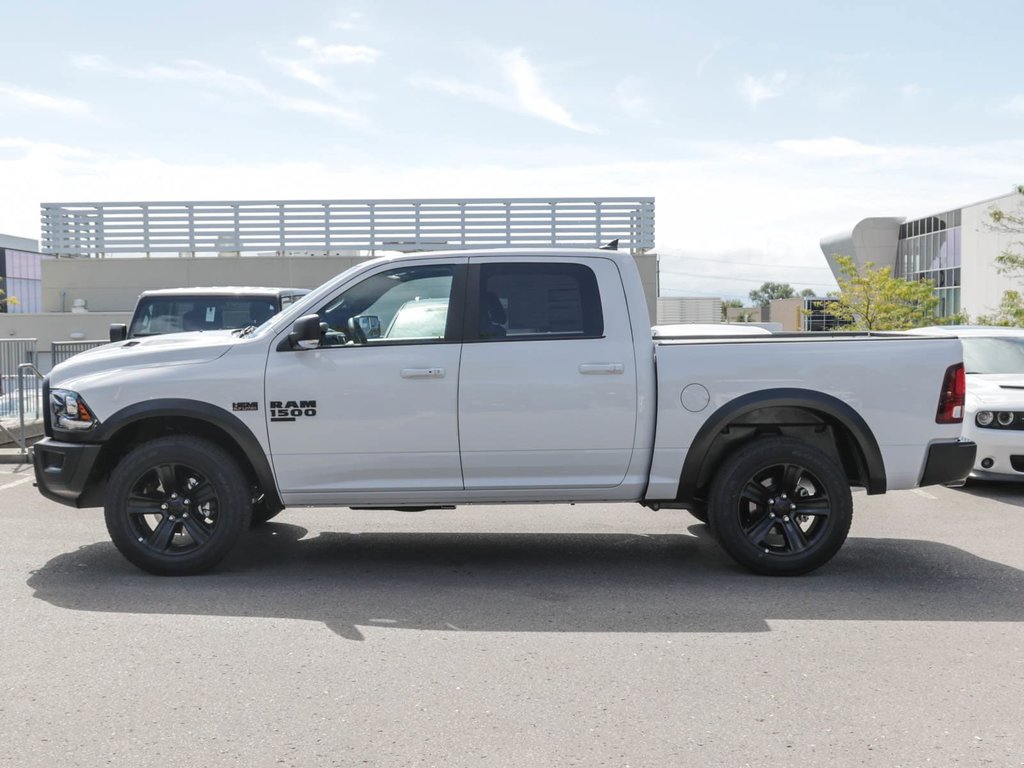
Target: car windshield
168	314
991	355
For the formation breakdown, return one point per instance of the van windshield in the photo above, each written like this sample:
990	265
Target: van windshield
992	355
157	315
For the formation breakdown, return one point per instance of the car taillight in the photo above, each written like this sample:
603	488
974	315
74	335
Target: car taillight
951	400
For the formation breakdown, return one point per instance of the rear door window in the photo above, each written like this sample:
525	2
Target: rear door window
534	300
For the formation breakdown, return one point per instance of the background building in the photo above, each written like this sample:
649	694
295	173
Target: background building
20	274
801	313
689	309
956	249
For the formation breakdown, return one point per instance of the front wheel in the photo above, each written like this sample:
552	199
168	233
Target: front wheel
176	505
780	506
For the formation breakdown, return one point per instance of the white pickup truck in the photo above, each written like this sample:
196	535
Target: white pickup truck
489	377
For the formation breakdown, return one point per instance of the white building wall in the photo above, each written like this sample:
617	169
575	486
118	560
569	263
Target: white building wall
871	240
981	285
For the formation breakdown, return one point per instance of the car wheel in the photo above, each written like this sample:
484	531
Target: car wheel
780	507
176	505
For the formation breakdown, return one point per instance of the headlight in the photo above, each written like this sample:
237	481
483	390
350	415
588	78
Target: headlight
984	418
70	411
1005	418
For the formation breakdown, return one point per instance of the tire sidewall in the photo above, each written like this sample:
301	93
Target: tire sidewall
234	508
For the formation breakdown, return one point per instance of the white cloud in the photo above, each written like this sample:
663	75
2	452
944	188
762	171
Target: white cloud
531	94
353	20
16	97
912	90
706	59
1011	106
338	54
526	93
301	72
832	147
757	89
630	96
208	76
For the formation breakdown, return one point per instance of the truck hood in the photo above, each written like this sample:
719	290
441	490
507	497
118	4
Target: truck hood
155	351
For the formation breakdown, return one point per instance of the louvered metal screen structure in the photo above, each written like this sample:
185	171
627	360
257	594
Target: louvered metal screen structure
284	226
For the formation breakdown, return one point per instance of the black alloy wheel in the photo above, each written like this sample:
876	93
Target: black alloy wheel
780	506
176	505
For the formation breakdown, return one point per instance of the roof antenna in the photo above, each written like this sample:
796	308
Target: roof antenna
612	246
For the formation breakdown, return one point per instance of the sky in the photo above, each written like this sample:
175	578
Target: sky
758	127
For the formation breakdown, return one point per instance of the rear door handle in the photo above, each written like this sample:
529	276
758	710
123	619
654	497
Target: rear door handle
598	369
423	373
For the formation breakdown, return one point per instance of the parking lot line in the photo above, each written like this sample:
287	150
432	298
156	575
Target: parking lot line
17	482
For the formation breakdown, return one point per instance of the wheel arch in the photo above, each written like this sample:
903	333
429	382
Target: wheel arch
144	421
773	411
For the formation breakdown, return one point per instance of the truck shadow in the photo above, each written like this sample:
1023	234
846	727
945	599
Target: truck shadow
539	583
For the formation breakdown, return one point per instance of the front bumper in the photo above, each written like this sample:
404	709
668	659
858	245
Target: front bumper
63	471
948	462
1000	452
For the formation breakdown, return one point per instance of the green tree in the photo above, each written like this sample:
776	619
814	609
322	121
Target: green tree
1010	312
1009	263
871	299
769	291
6	299
808	293
728	304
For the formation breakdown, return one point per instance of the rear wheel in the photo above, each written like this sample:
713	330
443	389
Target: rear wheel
176	505
780	506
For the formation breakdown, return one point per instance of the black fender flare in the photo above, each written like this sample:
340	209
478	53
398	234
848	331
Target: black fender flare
230	424
832	407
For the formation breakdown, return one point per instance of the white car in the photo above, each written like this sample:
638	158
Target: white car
994	416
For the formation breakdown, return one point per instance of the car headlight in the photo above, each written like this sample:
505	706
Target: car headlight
70	411
984	418
1004	418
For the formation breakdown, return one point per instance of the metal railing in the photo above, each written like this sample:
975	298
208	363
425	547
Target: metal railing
62	350
82	229
20	399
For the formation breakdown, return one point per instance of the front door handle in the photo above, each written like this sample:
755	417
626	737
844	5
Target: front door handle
423	373
598	369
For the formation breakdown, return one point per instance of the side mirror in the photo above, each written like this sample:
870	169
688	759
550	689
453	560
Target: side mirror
118	331
306	332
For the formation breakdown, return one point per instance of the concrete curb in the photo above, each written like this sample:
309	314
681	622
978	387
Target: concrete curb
13	456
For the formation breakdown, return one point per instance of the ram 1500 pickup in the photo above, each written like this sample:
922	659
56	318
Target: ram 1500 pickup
489	377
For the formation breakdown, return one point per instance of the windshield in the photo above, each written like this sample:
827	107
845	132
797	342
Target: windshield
990	355
170	314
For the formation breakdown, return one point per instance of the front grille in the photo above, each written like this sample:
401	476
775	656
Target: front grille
1017	462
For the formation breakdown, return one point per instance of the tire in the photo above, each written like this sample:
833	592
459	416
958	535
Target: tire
780	507
176	505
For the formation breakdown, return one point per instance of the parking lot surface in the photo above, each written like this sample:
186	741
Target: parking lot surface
590	635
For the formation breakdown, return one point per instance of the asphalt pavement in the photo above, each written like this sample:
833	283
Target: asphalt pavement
589	635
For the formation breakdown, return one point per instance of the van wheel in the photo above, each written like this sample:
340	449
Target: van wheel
177	505
780	507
